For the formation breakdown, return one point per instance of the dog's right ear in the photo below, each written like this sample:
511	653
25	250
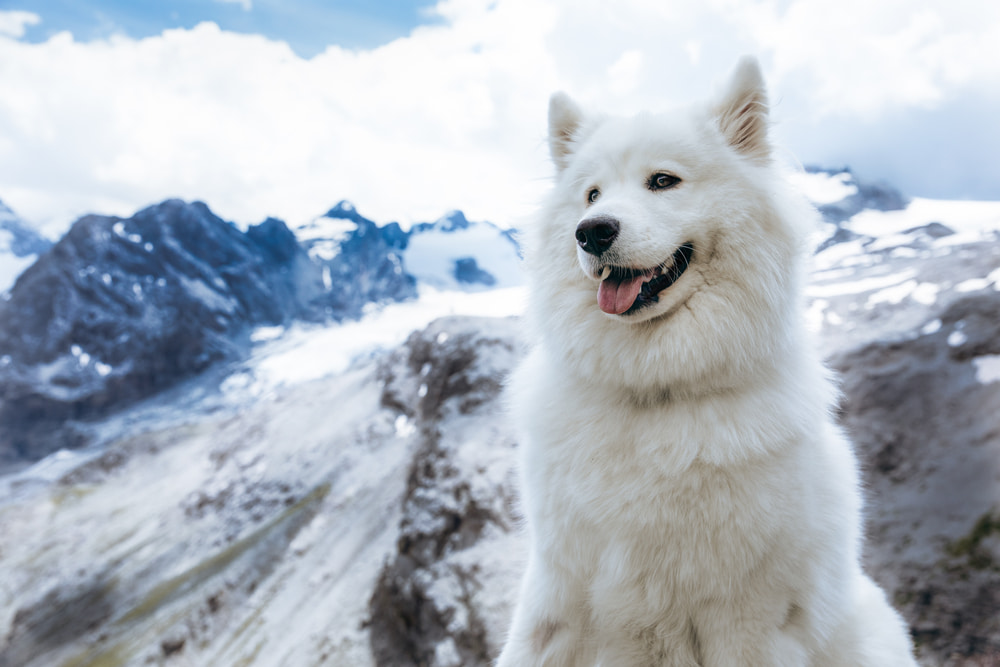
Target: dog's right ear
565	120
742	112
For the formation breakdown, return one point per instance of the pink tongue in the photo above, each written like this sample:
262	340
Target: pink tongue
616	298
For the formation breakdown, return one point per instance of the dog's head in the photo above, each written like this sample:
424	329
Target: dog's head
668	247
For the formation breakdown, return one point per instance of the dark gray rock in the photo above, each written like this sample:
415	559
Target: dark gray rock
926	430
932	230
467	271
365	267
120	309
426	608
841	235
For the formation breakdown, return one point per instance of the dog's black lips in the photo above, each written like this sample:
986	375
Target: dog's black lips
649	294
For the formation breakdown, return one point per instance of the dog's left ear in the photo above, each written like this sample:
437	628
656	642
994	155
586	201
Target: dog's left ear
565	120
742	111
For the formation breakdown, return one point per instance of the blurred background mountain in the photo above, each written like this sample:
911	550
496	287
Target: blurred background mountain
265	445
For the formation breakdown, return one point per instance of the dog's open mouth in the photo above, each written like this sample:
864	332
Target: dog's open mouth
623	291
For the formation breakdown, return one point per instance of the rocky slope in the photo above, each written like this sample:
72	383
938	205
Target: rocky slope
922	411
385	532
443	596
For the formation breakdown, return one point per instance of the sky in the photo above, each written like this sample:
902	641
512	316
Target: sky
412	108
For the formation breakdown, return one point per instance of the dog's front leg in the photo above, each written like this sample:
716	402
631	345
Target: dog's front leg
745	634
549	628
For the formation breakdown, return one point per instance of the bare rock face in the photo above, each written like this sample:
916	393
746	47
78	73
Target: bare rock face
436	601
120	309
364	266
923	413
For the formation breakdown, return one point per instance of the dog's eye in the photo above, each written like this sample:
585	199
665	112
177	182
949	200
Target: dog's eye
662	181
593	195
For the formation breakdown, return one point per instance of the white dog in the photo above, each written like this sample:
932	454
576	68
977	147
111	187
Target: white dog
690	501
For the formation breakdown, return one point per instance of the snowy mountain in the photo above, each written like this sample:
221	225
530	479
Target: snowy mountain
453	253
20	246
360	262
346	494
121	309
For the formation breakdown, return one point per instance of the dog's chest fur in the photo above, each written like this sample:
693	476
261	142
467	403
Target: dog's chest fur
640	518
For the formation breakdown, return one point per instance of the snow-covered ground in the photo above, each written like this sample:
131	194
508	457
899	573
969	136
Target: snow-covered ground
306	352
898	265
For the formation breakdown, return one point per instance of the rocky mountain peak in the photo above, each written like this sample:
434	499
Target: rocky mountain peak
121	308
861	195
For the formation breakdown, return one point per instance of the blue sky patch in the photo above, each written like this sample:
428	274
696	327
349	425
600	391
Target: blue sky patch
308	26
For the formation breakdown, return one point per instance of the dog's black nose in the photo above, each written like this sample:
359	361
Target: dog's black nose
595	235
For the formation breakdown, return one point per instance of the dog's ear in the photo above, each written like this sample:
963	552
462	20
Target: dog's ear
565	120
741	112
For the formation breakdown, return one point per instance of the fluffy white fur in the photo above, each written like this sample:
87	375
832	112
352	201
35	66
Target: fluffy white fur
689	499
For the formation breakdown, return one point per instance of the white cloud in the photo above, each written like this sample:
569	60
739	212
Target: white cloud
15	23
453	116
875	57
625	72
428	123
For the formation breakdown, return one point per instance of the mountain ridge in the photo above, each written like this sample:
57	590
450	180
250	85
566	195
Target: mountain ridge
121	308
365	512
